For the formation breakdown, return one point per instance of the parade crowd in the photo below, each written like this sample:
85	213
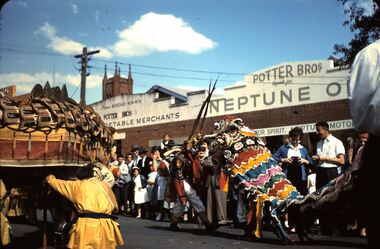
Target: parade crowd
144	188
163	185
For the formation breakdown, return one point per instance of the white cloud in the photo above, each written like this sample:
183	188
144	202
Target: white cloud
367	5
23	4
25	82
67	46
160	33
74	7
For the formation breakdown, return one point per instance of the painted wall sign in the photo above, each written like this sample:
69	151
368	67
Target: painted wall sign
126	111
287	84
307	128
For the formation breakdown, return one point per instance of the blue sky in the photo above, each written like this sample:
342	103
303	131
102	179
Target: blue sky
173	43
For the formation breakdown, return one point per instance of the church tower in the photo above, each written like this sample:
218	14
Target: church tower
117	85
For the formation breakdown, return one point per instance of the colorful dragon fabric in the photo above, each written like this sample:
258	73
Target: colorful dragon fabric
254	171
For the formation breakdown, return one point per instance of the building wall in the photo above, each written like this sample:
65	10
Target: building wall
149	135
271	100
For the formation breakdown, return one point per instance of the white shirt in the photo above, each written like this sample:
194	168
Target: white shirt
329	147
311	183
124	168
365	89
294	151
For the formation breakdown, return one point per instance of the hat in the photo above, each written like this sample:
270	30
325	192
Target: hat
135	167
135	147
143	150
173	151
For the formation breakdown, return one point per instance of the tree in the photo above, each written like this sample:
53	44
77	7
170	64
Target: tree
2	3
366	29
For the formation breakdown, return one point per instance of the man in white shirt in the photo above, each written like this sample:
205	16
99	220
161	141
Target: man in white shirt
330	157
365	112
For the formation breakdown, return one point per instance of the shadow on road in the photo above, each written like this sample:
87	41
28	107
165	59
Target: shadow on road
31	235
269	237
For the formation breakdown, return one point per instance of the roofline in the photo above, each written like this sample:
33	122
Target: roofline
167	91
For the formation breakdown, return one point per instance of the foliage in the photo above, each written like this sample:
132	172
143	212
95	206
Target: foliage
365	27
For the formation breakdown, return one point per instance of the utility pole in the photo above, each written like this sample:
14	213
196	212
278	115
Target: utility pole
84	60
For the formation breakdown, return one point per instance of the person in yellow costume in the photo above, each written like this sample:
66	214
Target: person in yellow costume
94	201
4	224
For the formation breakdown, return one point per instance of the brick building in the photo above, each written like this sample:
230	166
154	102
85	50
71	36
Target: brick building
116	85
271	101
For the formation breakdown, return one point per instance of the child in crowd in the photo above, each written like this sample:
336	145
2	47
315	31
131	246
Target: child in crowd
163	172
141	193
311	187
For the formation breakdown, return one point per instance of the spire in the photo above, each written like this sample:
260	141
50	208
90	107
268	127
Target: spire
105	71
130	81
129	72
115	68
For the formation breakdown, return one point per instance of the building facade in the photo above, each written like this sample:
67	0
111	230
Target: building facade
271	101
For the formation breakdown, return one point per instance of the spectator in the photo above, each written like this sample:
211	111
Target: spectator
153	181
122	185
136	150
365	112
144	163
141	194
356	164
162	182
295	160
329	157
94	202
130	198
311	178
166	143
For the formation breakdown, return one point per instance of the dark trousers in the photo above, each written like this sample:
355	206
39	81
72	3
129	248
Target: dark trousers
324	176
122	195
368	187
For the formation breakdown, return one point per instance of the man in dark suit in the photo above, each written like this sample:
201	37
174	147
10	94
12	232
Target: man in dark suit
144	162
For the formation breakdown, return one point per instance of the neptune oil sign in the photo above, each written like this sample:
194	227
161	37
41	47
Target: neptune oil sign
287	84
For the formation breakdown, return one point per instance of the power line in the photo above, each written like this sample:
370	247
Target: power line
173	69
219	80
208	72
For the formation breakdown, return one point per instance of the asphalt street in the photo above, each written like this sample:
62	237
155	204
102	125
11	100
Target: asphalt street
148	234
